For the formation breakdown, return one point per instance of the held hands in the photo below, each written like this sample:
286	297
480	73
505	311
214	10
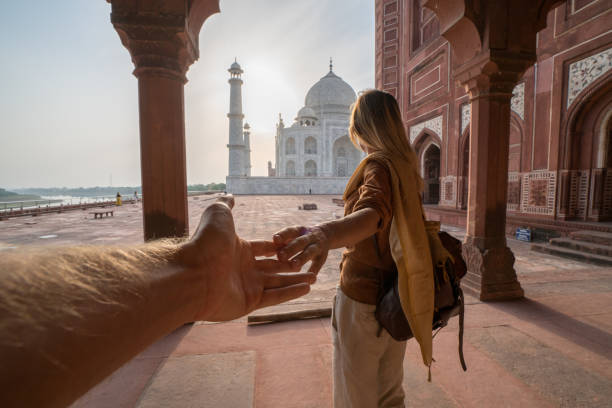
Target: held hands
298	245
235	282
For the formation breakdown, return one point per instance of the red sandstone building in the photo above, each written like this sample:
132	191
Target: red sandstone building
560	154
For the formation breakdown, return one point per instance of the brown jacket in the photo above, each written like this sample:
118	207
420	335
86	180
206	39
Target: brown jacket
369	261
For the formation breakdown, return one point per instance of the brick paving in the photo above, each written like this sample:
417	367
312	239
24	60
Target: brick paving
551	349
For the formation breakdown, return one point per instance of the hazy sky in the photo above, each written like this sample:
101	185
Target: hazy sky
68	99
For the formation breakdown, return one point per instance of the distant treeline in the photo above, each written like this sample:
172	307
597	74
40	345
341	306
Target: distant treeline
206	187
106	191
11	196
4	193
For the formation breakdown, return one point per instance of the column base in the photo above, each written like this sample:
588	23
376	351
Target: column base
495	268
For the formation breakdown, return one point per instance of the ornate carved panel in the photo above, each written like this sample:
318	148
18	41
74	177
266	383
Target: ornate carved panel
517	102
466	111
514	192
434	124
429	77
538	192
583	72
448	195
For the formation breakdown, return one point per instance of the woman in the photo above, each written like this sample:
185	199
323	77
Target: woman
367	363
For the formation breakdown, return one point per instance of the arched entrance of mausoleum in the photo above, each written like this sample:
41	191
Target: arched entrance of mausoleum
585	178
345	157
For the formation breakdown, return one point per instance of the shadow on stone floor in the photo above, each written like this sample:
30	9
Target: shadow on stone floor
547	318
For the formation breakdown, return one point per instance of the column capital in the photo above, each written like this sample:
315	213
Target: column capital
161	38
494	74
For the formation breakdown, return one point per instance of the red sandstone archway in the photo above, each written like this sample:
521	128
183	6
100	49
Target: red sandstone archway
427	147
585	177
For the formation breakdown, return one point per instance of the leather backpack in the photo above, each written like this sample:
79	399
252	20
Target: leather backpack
448	297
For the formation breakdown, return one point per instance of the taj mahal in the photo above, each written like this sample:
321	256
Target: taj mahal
314	155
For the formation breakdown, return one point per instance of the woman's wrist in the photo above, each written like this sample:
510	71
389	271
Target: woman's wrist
327	231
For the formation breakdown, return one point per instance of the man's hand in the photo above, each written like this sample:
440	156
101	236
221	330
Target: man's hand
234	281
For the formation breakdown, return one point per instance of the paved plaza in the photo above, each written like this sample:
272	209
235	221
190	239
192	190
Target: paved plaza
551	349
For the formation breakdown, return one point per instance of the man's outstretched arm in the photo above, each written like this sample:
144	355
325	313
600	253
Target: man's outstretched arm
71	316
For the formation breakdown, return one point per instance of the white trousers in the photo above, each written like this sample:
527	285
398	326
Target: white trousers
368	369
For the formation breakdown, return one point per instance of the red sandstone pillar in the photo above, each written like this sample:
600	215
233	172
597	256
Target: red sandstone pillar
162	37
490	261
162	156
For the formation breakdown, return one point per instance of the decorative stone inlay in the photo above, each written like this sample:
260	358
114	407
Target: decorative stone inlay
582	73
517	103
434	124
514	192
538	192
466	111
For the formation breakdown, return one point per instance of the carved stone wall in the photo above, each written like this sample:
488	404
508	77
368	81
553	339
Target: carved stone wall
517	103
514	192
583	72
448	191
435	124
466	111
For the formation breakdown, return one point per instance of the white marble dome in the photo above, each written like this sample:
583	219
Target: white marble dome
331	90
235	67
306	112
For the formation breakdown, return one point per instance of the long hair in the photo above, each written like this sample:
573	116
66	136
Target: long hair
376	121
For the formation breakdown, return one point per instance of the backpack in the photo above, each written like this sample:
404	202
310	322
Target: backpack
448	297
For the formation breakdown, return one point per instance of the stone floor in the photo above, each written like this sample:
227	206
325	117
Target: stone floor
551	349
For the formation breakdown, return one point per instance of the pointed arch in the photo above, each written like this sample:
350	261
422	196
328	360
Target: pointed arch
310	169
585	175
310	145
290	146
290	169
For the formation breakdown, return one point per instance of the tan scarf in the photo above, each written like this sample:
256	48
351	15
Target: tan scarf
410	246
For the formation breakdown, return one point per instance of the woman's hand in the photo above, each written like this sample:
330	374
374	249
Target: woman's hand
299	245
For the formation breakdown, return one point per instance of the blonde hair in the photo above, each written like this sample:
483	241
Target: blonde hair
376	121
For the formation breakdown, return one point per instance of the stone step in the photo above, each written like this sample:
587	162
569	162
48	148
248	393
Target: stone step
572	254
596	237
583	246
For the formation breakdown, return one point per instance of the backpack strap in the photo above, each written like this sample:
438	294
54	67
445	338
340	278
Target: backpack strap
461	319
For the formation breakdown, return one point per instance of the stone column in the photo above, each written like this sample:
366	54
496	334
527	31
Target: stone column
162	38
162	155
489	259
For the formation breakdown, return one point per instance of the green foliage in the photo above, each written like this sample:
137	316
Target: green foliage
11	196
206	187
4	193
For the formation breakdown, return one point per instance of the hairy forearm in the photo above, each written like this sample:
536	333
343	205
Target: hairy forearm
351	229
70	317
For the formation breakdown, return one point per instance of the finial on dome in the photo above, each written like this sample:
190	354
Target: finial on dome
331	64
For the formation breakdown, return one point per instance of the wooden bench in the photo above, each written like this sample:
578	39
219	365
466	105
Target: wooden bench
102	213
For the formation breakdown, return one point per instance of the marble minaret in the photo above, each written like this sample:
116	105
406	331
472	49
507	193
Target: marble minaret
236	138
247	150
